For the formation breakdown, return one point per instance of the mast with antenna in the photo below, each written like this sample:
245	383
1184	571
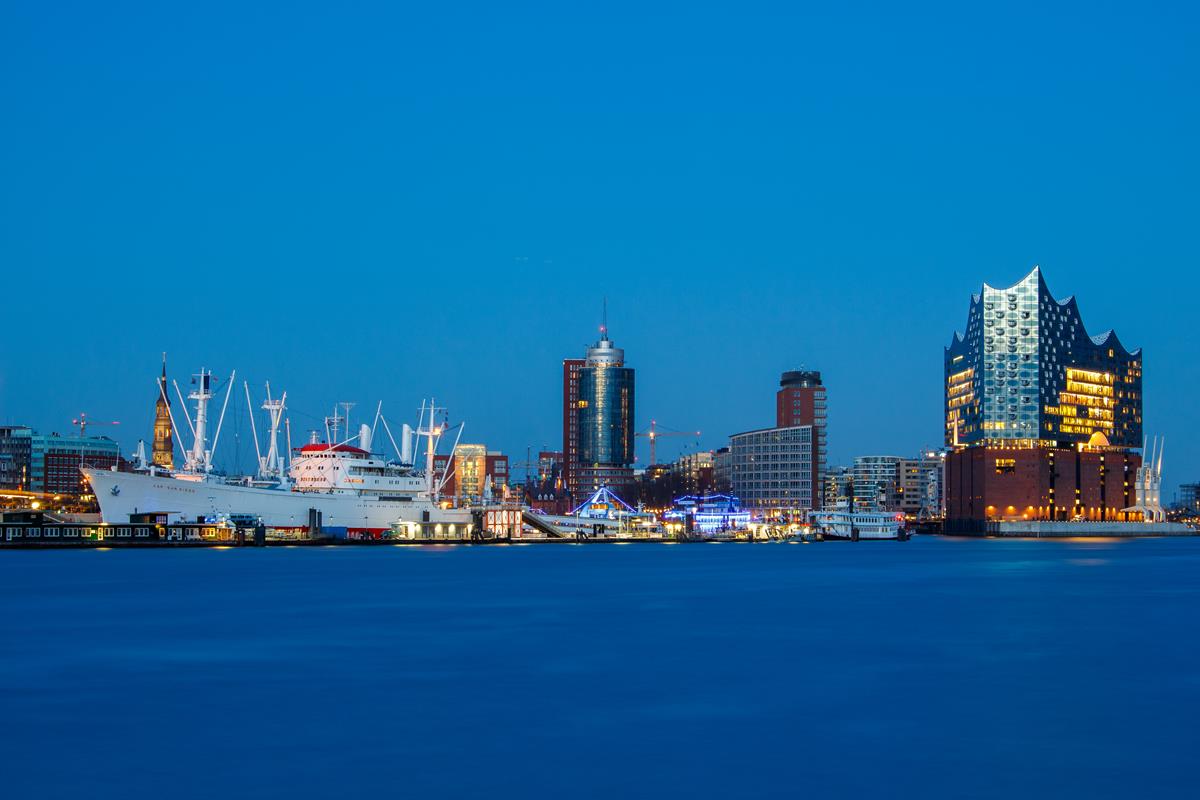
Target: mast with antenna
195	460
346	408
199	457
333	424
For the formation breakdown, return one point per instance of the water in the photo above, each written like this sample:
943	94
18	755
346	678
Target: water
936	667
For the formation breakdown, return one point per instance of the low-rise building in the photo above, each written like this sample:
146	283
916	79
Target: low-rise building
723	470
50	463
467	471
15	442
919	486
838	488
1189	497
694	471
876	483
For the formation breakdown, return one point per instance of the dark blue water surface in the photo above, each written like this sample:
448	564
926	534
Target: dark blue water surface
936	667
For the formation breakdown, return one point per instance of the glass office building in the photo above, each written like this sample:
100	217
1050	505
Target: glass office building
1026	373
605	408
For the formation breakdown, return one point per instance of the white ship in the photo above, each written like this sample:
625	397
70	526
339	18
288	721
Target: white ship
347	484
854	525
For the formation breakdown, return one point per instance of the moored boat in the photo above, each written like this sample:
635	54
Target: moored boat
857	525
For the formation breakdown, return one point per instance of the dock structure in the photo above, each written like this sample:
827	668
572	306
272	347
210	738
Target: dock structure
37	529
502	523
1040	529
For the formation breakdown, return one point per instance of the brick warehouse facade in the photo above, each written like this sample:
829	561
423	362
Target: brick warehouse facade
1043	484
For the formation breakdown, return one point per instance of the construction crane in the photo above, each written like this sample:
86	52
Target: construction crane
529	464
653	434
82	421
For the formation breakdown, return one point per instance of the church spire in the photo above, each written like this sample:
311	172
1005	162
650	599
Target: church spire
164	448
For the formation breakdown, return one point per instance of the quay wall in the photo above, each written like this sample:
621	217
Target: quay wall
1032	529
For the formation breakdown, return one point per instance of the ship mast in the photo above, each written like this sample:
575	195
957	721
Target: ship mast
199	458
274	408
196	459
432	433
270	466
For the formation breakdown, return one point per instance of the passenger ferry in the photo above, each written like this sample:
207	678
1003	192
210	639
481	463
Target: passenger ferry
855	525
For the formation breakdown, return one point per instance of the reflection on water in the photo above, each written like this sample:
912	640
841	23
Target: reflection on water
944	667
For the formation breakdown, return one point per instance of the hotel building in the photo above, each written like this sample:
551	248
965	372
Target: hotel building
1040	416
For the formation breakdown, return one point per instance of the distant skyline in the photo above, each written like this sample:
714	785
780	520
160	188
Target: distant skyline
392	203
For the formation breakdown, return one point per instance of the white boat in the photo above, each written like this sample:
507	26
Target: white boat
349	486
855	525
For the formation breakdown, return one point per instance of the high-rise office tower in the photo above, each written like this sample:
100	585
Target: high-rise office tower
598	447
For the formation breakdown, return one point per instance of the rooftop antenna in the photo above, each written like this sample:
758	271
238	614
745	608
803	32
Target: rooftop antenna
604	320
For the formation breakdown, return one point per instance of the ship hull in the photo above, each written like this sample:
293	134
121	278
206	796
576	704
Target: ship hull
121	494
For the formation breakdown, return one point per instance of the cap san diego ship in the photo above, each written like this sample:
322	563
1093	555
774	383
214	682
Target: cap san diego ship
345	481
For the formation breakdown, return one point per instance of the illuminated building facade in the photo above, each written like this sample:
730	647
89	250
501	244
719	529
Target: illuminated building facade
919	486
1027	373
549	492
876	483
1038	483
695	471
570	379
549	465
801	400
837	488
467	471
163	452
54	460
723	470
1189	497
772	468
15	446
911	486
1041	416
604	419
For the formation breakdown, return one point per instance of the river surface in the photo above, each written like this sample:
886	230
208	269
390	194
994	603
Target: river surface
936	667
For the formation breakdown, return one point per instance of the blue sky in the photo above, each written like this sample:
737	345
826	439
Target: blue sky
391	201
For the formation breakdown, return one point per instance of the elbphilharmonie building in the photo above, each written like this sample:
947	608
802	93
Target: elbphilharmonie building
1042	418
1028	372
